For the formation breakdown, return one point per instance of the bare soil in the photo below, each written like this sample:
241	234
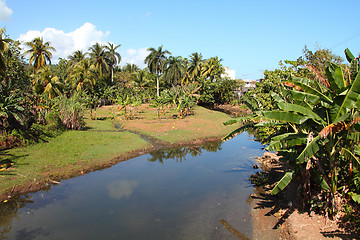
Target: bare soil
278	217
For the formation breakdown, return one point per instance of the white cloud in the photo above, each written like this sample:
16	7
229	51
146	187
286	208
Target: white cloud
66	43
135	56
5	11
121	188
81	39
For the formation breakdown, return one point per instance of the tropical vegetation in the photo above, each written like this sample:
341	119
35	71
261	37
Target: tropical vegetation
308	112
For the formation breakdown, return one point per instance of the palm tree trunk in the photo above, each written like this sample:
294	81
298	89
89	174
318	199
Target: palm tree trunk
112	75
157	85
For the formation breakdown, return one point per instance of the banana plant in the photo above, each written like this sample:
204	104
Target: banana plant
316	123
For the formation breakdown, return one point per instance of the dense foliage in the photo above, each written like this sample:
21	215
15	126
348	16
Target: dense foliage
37	94
314	118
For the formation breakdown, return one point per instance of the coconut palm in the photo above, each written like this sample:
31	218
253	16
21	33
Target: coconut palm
40	52
4	48
99	57
114	57
155	61
45	83
83	75
212	69
174	70
131	68
77	56
196	63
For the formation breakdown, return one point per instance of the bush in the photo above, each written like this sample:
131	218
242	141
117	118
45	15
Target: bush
71	112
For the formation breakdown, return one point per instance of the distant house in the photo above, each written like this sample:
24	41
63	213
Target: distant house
249	84
229	73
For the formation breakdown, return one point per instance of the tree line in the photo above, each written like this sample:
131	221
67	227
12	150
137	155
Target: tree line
36	92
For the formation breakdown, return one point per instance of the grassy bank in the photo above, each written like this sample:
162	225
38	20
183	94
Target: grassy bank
76	152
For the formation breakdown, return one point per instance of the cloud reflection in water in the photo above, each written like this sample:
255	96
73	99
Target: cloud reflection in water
121	188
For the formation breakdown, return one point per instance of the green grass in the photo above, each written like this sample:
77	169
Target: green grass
65	156
72	152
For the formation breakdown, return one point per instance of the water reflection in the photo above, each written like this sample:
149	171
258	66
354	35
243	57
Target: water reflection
121	189
179	154
10	210
138	199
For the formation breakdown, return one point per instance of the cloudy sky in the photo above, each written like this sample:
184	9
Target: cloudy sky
250	36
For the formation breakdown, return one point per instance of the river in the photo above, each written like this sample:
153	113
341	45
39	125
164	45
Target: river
184	193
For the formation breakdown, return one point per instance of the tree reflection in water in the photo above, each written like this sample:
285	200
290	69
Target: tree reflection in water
9	210
179	154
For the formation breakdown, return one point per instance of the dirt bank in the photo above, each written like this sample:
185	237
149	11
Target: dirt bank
278	217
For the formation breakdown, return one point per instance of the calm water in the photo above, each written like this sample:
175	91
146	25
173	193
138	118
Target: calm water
184	193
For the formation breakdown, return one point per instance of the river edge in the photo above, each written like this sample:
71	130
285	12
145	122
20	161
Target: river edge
277	217
47	181
271	218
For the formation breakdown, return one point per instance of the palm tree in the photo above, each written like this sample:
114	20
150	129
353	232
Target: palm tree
83	75
155	61
45	83
4	48
77	56
196	63
212	68
99	57
113	57
40	52
174	70
131	68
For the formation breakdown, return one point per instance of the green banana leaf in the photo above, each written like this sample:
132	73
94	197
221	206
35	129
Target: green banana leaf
236	131
304	97
349	155
306	86
285	116
349	56
335	77
284	181
350	98
310	150
289	107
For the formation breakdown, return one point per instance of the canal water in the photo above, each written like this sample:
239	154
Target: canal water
183	193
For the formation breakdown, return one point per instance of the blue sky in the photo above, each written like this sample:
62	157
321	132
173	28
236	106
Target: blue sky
250	36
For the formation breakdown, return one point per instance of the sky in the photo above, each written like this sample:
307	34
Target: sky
249	36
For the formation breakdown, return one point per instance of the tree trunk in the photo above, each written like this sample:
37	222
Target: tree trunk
157	85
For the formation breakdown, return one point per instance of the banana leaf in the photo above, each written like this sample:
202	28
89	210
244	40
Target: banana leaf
302	96
285	116
335	77
349	155
350	98
306	86
300	109
236	131
284	181
349	56
310	150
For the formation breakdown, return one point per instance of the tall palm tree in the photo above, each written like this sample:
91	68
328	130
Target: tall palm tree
131	68
99	57
113	57
4	48
212	69
83	75
45	83
174	70
77	56
40	52
196	63
155	61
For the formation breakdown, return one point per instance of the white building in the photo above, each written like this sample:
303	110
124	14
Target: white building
230	73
